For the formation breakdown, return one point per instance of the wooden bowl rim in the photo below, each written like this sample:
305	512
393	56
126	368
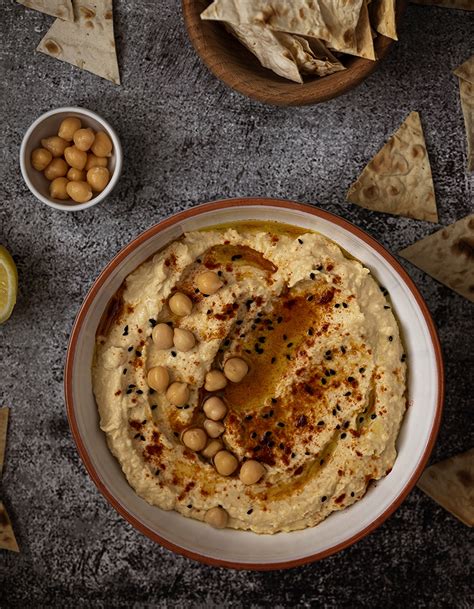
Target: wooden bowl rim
281	92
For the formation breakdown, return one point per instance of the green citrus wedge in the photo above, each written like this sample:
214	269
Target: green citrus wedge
8	284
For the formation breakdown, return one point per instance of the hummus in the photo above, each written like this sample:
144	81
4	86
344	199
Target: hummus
320	406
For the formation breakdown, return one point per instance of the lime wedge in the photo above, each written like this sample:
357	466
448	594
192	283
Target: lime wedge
8	284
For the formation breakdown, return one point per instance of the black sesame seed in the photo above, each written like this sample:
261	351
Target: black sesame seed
253	326
154	406
362	370
219	273
307	453
312	276
248	417
173	353
261	339
142	438
236	257
320	423
138	353
403	358
310	298
334	412
273	360
319	267
198	260
345	305
350	379
390	338
129	391
293	455
253	435
346	424
247	351
130	349
338	427
131	386
176	433
125	371
279	320
189	506
321	462
289	345
285	337
179	407
347	394
332	372
268	434
136	436
209	311
239	322
265	416
249	511
310	332
125	331
323	381
327	373
337	305
144	422
343	435
186	407
323	499
157	473
196	290
257	448
338	407
280	424
248	303
361	419
139	391
386	307
352	494
343	349
373	416
288	356
281	446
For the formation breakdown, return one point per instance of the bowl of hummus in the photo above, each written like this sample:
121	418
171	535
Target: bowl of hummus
254	383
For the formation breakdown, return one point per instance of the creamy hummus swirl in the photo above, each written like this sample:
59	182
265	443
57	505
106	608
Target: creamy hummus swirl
320	407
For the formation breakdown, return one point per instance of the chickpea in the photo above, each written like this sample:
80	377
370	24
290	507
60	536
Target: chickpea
235	369
180	304
212	448
75	158
55	144
214	428
102	145
68	128
183	339
158	378
215	380
76	175
214	408
98	178
194	438
162	336
84	138
178	393
56	169
225	463
41	158
95	161
57	189
217	517
80	192
251	472
208	282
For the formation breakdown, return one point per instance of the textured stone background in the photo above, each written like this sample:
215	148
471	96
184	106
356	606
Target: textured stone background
188	139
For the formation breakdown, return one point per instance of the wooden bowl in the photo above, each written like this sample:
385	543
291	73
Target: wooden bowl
230	61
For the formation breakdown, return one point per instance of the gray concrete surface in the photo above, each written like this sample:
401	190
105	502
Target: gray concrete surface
188	139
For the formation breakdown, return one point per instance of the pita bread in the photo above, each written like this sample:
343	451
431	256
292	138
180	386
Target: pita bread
466	5
330	20
451	484
383	18
88	43
57	8
448	256
3	435
311	56
466	91
398	179
466	70
7	536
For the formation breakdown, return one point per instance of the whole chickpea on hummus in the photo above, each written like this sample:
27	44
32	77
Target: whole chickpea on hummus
251	376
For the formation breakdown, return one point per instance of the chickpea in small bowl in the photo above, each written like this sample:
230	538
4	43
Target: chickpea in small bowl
71	158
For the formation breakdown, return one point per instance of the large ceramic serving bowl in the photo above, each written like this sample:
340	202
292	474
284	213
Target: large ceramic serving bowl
240	549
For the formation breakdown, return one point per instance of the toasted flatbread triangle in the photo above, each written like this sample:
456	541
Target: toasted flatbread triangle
89	42
3	435
398	179
466	5
57	8
451	484
448	256
330	20
382	15
466	69
7	536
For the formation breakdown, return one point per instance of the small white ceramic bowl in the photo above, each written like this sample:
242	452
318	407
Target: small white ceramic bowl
242	549
47	125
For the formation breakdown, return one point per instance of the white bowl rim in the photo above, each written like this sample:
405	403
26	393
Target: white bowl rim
225	204
117	147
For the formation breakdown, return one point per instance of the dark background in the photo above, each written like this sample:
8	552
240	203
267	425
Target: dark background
188	139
